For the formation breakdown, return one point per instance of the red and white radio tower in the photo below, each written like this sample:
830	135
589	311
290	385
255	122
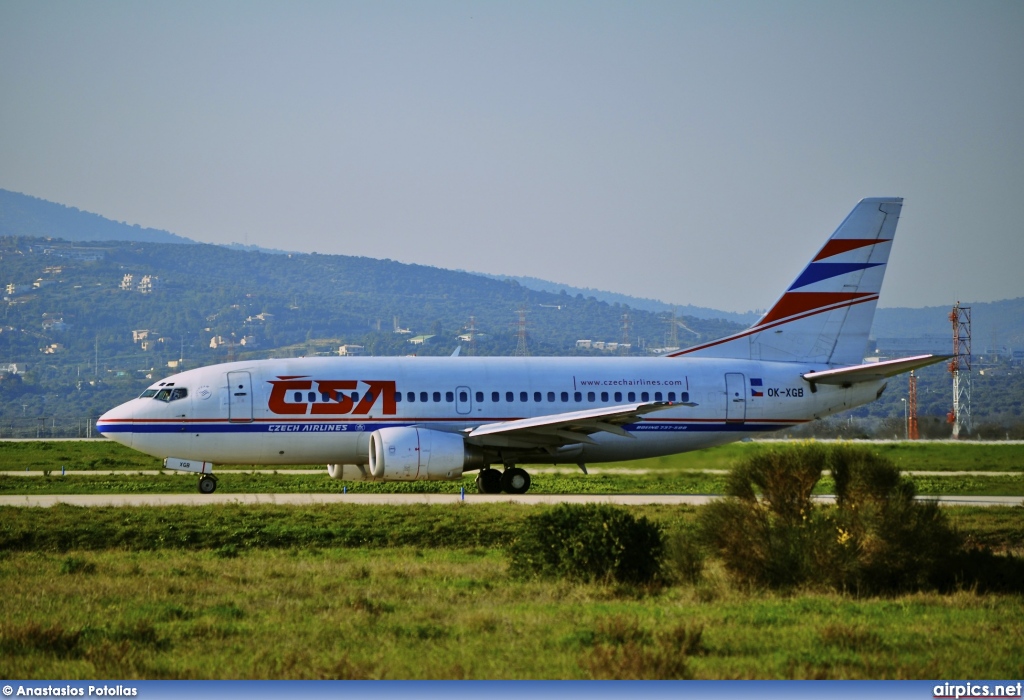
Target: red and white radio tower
521	350
912	407
960	368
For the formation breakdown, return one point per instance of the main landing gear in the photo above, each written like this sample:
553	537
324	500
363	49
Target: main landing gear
513	480
207	483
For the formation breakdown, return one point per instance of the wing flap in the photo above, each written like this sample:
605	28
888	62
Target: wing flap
846	376
566	428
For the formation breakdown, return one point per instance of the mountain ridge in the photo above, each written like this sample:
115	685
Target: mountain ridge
998	323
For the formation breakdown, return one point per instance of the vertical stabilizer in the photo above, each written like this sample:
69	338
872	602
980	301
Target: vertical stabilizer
825	315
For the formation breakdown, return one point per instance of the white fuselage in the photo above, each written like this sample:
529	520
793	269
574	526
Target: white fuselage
317	410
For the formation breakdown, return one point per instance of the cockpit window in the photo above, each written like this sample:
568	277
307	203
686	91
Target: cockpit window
170	394
148	393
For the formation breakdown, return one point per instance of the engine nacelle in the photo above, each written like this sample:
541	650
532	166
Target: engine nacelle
410	454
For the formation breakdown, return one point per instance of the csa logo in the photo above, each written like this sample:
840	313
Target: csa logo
756	387
295	396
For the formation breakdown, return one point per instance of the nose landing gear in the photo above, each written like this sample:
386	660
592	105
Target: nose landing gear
207	483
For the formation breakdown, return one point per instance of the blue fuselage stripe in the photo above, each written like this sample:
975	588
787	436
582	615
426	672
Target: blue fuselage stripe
201	428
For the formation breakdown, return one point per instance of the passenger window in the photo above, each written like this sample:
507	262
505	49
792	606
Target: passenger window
311	397
437	396
644	396
423	396
536	396
464	396
480	396
671	396
398	397
684	396
604	396
618	396
565	397
551	397
148	394
591	397
577	397
524	397
297	396
449	396
355	397
410	396
325	397
631	396
657	396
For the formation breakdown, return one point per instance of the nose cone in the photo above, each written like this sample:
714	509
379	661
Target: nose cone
118	423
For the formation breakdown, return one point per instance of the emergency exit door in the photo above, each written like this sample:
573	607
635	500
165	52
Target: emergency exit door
239	397
735	397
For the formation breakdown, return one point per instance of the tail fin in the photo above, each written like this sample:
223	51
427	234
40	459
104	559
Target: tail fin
825	316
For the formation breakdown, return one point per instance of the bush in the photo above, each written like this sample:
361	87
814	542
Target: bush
623	650
77	565
876	539
587	542
684	557
766	529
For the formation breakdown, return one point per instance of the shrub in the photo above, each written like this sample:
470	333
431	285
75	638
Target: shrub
684	557
623	650
876	539
32	637
587	542
77	565
766	529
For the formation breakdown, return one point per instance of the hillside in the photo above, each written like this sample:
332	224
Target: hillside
85	317
994	325
997	323
22	215
87	324
653	305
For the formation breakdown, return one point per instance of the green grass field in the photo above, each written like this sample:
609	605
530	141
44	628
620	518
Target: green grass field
353	591
655	483
689	473
405	614
423	592
910	456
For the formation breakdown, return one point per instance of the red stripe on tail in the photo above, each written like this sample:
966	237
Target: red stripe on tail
843	245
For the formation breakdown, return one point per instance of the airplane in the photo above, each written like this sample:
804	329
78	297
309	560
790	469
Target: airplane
437	418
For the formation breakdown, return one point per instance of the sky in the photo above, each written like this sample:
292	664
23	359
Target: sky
694	152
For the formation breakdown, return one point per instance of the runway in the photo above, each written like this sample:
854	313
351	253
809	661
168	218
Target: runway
299	499
563	471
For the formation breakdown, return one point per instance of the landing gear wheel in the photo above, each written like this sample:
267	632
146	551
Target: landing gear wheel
515	480
488	481
207	484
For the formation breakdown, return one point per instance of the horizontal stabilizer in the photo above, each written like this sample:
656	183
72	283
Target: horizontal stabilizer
846	376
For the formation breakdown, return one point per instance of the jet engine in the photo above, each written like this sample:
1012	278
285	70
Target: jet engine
410	454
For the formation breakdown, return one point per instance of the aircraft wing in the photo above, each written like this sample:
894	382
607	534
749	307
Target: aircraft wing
846	376
565	428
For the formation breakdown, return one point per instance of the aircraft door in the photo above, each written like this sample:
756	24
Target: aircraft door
735	397
463	400
239	397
